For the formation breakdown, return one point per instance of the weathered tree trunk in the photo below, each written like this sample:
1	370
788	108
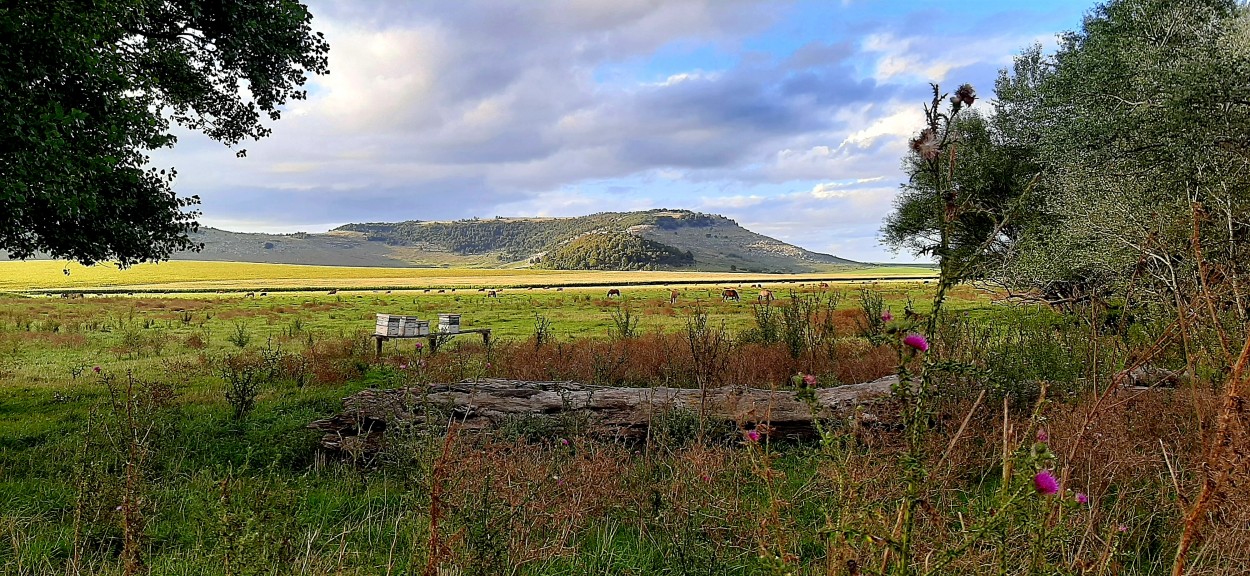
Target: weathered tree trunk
620	412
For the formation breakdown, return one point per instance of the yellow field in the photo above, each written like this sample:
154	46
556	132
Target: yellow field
210	276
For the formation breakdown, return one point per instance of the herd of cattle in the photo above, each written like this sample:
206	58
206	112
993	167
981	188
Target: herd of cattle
763	295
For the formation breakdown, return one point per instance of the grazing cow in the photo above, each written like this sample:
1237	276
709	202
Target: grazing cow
614	292
388	291
824	285
481	289
730	294
250	295
333	292
672	298
561	289
491	294
426	290
765	296
264	293
442	291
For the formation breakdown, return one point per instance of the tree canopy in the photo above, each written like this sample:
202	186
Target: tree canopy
87	88
1133	135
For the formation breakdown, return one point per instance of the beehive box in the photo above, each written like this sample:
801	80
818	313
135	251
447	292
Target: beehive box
414	326
449	323
389	325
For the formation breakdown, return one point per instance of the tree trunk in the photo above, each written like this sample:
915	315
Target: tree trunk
614	412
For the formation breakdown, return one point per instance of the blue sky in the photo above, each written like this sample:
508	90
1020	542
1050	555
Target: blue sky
790	117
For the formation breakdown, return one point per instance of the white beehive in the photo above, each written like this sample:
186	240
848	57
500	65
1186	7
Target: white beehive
408	326
389	325
449	323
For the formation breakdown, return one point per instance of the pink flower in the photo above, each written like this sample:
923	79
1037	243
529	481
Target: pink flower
1081	498
886	316
707	478
1121	528
403	366
753	435
1045	483
419	346
810	380
1042	436
96	369
916	341
564	441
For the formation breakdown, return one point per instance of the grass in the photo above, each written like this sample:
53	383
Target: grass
191	276
221	494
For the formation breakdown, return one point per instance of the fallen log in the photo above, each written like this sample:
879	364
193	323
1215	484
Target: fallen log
608	411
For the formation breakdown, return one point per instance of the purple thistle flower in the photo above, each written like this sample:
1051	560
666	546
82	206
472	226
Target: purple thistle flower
419	346
1045	483
1042	436
1081	498
886	316
916	341
810	380
96	369
753	435
564	441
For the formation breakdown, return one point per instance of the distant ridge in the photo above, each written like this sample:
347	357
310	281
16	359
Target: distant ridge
647	240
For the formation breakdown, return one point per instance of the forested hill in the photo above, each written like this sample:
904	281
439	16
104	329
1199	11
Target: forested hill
669	239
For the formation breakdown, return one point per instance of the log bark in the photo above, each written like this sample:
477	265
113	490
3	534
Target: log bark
608	411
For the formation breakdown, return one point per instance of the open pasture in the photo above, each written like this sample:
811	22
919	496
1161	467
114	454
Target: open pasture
196	276
122	417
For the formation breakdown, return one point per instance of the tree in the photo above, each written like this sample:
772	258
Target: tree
1139	123
87	88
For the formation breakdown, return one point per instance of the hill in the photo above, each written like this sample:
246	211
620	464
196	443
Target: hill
672	239
647	240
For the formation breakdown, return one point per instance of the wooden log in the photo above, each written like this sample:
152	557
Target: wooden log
609	411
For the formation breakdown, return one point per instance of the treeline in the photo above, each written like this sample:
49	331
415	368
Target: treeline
613	251
1122	160
519	238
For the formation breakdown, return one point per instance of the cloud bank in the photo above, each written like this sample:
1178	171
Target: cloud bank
789	117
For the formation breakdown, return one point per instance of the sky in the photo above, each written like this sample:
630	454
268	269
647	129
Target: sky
791	117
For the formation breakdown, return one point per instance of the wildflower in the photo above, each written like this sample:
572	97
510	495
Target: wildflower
403	366
753	435
707	478
1121	528
1045	483
419	346
916	341
564	441
887	317
966	95
96	369
810	380
1081	498
926	144
1042	436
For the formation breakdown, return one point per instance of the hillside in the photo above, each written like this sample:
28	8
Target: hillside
711	242
649	240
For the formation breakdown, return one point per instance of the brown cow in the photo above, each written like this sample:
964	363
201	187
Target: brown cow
491	294
824	285
614	292
250	295
765	296
730	294
672	298
333	292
